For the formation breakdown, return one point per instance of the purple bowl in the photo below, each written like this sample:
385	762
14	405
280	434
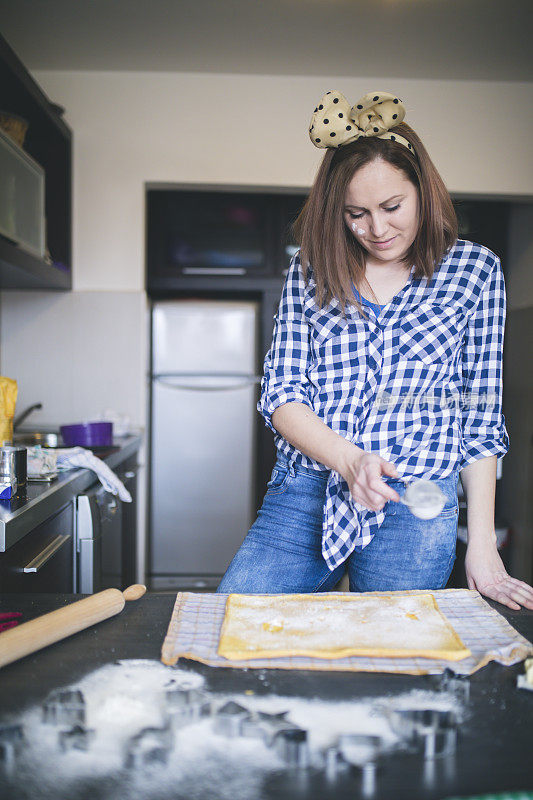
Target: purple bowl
88	434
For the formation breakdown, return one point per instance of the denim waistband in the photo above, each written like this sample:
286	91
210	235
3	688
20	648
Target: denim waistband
324	474
295	467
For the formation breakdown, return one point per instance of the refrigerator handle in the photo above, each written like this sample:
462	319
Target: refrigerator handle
216	387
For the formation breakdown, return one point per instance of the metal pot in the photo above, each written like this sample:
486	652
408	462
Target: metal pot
13	464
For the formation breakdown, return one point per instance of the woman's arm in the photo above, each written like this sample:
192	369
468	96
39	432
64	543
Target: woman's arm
484	568
484	438
286	407
362	471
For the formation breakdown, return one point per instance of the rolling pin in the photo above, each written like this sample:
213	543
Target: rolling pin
42	631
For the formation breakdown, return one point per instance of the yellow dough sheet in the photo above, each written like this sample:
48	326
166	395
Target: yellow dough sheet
387	625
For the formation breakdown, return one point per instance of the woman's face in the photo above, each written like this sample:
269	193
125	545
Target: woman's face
381	211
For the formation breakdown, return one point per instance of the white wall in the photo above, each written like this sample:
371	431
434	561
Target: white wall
77	353
135	127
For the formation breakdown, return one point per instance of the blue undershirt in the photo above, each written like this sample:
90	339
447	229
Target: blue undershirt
377	308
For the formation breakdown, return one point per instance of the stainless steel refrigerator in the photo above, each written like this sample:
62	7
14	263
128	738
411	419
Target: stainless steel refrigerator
204	390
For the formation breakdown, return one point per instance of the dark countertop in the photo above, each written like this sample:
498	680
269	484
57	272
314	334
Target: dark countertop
494	744
23	513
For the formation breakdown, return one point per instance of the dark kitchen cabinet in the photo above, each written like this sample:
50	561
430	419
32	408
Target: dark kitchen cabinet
485	222
49	142
128	474
221	234
44	544
42	561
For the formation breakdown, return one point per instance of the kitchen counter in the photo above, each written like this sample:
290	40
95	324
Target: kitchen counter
494	743
23	513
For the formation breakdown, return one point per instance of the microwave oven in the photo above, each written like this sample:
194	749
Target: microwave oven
196	232
22	198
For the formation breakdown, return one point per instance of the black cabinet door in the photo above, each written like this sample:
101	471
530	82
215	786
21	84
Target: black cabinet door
128	474
43	561
49	142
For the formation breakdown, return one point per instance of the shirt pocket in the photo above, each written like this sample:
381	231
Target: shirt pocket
324	324
337	357
430	333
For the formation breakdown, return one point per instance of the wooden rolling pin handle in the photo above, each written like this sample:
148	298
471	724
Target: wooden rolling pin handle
134	591
43	631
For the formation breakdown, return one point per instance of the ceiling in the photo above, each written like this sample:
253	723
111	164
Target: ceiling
431	39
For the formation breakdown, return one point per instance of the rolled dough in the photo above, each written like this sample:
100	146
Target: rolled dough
392	625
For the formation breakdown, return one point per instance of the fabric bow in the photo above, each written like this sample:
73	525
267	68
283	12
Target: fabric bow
335	123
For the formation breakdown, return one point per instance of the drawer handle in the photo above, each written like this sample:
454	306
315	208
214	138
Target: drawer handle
45	555
214	271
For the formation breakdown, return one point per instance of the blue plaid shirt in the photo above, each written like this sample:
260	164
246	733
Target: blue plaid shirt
419	382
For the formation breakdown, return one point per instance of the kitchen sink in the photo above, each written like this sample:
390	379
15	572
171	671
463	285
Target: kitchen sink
51	438
32	438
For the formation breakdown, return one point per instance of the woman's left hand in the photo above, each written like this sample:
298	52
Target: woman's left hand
486	573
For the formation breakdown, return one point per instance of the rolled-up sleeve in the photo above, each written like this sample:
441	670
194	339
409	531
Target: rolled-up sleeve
483	423
285	368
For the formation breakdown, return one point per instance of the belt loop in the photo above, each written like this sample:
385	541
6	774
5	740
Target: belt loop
292	469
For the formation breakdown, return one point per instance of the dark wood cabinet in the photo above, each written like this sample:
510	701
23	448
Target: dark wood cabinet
49	142
128	474
43	560
217	233
485	222
48	542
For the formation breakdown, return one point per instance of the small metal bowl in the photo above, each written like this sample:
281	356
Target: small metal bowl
33	438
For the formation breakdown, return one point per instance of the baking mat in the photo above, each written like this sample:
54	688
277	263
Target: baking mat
196	621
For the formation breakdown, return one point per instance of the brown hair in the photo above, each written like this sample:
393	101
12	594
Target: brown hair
336	257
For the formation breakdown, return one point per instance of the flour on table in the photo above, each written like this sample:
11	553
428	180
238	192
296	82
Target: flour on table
124	699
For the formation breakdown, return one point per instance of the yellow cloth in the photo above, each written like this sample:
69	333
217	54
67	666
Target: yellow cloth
8	399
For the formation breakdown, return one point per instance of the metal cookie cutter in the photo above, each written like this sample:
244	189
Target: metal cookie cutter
185	706
434	730
458	685
229	719
64	707
77	738
358	750
149	746
12	742
260	725
290	744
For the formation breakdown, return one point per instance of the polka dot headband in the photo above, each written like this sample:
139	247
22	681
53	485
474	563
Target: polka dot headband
335	122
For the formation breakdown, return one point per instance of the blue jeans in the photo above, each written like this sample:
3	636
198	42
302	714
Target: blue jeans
282	550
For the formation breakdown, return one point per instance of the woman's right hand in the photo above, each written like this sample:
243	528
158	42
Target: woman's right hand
362	472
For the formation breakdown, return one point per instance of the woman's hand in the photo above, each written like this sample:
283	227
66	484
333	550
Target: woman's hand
484	567
486	573
362	472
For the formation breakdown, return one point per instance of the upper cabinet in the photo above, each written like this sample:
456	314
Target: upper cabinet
35	185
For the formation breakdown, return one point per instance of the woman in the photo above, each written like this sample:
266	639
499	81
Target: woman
386	363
